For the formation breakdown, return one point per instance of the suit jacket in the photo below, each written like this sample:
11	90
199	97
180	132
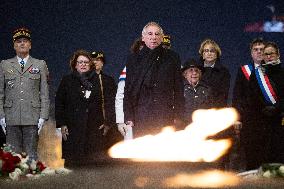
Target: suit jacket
24	95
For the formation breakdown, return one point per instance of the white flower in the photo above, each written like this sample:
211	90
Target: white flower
267	174
62	171
24	167
281	170
48	171
33	165
15	174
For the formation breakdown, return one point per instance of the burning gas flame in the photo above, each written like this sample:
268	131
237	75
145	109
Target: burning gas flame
190	144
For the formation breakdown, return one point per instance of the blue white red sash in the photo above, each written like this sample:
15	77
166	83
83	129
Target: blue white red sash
122	76
247	70
266	87
263	82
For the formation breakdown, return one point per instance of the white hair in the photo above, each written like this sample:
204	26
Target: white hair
152	24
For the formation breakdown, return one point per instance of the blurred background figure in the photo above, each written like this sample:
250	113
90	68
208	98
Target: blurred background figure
108	91
166	42
126	131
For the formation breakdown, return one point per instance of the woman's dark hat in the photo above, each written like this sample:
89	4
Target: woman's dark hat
192	63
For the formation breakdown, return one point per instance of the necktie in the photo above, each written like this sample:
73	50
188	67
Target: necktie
22	64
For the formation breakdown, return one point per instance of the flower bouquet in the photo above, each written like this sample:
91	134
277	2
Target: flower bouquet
271	170
267	170
16	166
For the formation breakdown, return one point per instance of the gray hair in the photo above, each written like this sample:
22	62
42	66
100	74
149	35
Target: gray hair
152	24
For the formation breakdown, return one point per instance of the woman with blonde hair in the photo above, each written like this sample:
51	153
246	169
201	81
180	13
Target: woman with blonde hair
215	74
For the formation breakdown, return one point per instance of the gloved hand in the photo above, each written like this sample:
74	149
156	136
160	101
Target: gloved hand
40	125
125	130
237	127
64	132
106	128
3	124
122	128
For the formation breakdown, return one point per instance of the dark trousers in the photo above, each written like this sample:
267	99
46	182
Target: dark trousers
23	138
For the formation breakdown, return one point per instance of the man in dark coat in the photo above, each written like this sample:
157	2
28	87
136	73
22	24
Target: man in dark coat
250	102
153	87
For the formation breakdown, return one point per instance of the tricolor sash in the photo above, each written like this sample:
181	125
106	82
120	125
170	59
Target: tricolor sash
246	69
122	76
265	86
263	82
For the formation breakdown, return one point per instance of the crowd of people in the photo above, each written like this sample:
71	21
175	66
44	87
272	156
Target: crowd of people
154	90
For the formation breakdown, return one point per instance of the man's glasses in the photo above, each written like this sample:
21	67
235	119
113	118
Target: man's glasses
83	62
210	50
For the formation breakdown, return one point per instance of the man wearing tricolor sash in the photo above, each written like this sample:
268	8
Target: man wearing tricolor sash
256	98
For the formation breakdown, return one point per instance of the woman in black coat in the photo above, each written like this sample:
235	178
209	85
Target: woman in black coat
215	75
78	110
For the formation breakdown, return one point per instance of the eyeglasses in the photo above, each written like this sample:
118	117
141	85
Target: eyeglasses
269	53
83	62
209	50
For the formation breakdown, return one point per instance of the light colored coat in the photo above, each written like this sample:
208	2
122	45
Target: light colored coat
24	96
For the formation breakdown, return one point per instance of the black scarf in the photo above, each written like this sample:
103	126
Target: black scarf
151	66
85	78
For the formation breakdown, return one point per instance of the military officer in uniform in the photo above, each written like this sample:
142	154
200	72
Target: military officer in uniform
24	96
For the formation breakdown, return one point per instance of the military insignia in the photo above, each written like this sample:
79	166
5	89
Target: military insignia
34	70
10	84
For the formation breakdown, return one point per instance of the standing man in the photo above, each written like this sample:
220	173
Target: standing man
250	101
24	96
153	86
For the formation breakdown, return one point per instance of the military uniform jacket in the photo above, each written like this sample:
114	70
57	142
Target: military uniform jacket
24	95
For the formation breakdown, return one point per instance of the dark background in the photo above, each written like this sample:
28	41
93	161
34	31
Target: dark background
61	27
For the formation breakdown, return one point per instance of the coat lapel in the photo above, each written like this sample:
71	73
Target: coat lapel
16	65
28	64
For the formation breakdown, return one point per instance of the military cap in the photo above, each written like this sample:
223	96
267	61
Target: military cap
167	40
21	33
98	55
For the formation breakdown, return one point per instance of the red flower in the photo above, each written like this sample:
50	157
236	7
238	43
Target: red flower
8	166
7	156
40	166
16	159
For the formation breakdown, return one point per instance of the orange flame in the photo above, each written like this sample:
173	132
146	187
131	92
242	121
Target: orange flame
190	144
205	179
